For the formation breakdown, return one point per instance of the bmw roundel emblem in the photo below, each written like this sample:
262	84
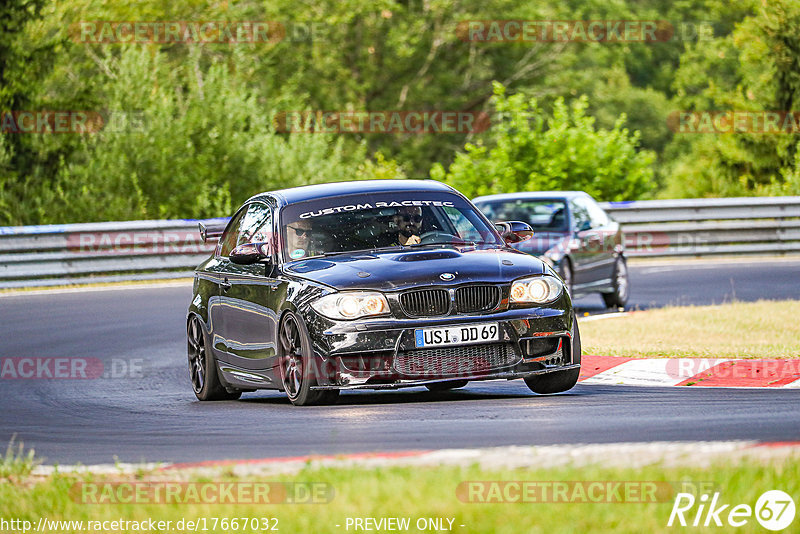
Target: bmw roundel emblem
447	276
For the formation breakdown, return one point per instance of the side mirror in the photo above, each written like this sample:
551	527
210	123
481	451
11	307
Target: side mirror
514	231
249	253
584	226
209	232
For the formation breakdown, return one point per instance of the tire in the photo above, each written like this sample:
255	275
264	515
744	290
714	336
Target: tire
565	272
203	366
446	386
296	372
619	297
559	381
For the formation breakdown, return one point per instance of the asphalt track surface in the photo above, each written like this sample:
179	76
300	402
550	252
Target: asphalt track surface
156	417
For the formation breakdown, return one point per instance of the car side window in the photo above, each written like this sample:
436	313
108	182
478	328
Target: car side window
585	209
596	213
228	240
580	215
466	230
256	225
251	225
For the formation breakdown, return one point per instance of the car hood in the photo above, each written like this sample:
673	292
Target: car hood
395	270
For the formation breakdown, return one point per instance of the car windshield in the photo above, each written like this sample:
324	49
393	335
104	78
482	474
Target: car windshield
381	220
545	215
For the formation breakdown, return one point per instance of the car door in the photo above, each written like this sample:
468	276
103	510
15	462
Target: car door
594	254
582	244
250	301
210	280
606	237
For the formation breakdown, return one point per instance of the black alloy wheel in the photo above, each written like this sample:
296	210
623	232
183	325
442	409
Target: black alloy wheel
203	368
296	365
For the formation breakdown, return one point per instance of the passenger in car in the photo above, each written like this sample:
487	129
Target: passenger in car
405	227
558	219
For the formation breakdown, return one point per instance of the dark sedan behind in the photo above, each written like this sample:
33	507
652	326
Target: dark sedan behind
573	234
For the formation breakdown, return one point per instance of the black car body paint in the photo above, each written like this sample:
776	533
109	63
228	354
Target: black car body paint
241	306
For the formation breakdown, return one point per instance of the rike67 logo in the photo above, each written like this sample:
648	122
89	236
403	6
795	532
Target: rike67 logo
774	510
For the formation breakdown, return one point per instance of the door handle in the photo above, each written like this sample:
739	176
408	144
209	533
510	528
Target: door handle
225	285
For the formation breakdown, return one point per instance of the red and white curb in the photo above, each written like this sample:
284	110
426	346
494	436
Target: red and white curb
704	372
690	453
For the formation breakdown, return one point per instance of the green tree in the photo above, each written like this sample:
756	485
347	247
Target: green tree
206	104
754	69
23	62
532	152
185	143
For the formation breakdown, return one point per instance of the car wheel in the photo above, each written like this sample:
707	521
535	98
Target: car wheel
559	381
619	297
203	366
296	364
445	386
565	272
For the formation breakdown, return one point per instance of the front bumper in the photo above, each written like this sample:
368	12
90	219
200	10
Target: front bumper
407	383
381	353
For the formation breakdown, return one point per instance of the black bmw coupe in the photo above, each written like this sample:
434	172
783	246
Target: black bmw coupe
374	285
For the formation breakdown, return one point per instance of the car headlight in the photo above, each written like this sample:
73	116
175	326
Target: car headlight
351	305
537	290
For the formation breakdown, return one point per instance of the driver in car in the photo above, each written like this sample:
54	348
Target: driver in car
405	226
298	239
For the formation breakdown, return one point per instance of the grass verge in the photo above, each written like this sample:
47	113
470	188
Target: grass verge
17	462
415	493
763	329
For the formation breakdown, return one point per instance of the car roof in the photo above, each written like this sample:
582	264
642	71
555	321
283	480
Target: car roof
311	192
531	195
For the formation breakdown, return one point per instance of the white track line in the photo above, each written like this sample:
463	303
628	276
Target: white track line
182	282
654	372
702	453
602	316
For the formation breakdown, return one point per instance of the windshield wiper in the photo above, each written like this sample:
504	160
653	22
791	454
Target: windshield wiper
402	248
360	250
452	244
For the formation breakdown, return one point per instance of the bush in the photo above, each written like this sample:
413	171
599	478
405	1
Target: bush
191	143
531	152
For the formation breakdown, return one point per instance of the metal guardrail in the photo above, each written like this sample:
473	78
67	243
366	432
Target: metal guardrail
714	226
100	252
141	250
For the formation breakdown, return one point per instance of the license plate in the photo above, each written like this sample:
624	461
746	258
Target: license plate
457	335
